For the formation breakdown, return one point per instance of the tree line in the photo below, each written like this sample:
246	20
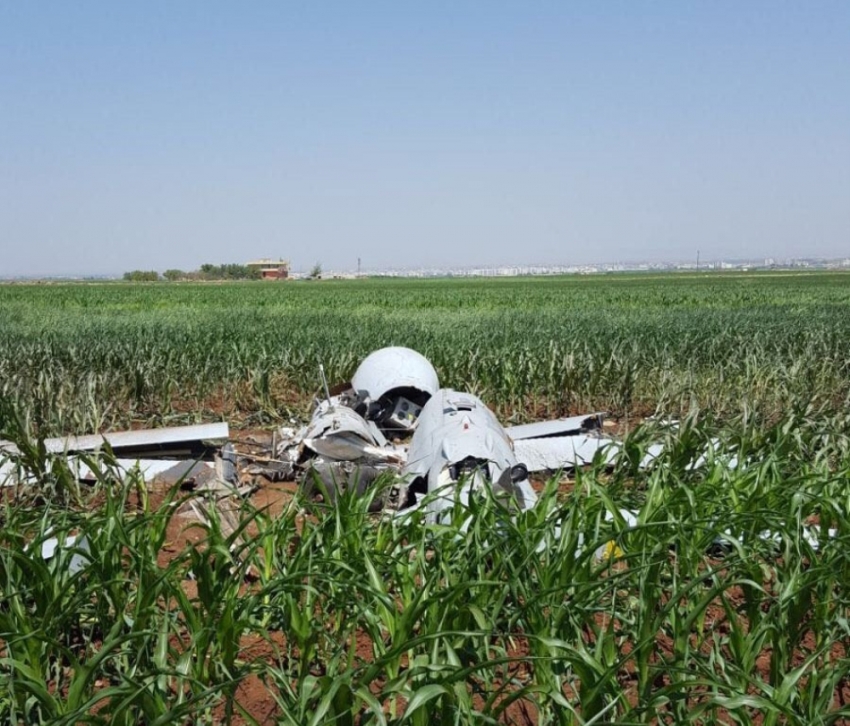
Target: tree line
207	271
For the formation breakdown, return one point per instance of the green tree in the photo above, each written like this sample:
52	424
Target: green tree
141	276
231	271
173	275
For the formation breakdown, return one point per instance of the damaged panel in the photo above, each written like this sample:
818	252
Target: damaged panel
332	477
561	427
149	468
563	452
186	440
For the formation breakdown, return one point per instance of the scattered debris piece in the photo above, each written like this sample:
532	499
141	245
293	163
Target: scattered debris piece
9	474
558	453
78	543
185	441
573	426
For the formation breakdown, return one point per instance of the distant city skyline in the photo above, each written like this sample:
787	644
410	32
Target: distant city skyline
165	135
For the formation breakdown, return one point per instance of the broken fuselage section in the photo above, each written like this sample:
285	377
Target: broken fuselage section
353	436
459	447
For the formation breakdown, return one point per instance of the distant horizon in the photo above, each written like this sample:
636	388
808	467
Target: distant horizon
632	265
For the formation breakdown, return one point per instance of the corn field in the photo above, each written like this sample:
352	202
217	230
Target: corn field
725	601
81	358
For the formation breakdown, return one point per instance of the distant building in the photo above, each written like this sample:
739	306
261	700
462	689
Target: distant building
270	269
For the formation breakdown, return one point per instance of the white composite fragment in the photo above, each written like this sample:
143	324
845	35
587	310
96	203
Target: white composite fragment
564	452
150	469
129	439
811	534
654	452
79	543
558	427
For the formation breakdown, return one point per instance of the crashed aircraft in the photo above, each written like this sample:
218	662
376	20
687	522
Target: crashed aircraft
358	433
392	418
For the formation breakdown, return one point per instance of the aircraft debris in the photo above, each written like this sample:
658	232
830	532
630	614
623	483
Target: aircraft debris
573	426
439	445
330	477
338	432
356	432
345	444
84	456
564	452
150	469
147	443
79	545
392	385
460	442
359	431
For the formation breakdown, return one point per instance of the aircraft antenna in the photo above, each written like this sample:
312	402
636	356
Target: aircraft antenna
324	382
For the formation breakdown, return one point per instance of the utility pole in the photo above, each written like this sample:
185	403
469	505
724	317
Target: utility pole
358	267
697	260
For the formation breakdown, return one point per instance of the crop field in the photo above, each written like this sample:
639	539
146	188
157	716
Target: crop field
83	357
725	602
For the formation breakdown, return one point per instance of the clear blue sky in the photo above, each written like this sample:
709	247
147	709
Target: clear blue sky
168	134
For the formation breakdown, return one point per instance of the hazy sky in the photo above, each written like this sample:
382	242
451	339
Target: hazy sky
167	134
